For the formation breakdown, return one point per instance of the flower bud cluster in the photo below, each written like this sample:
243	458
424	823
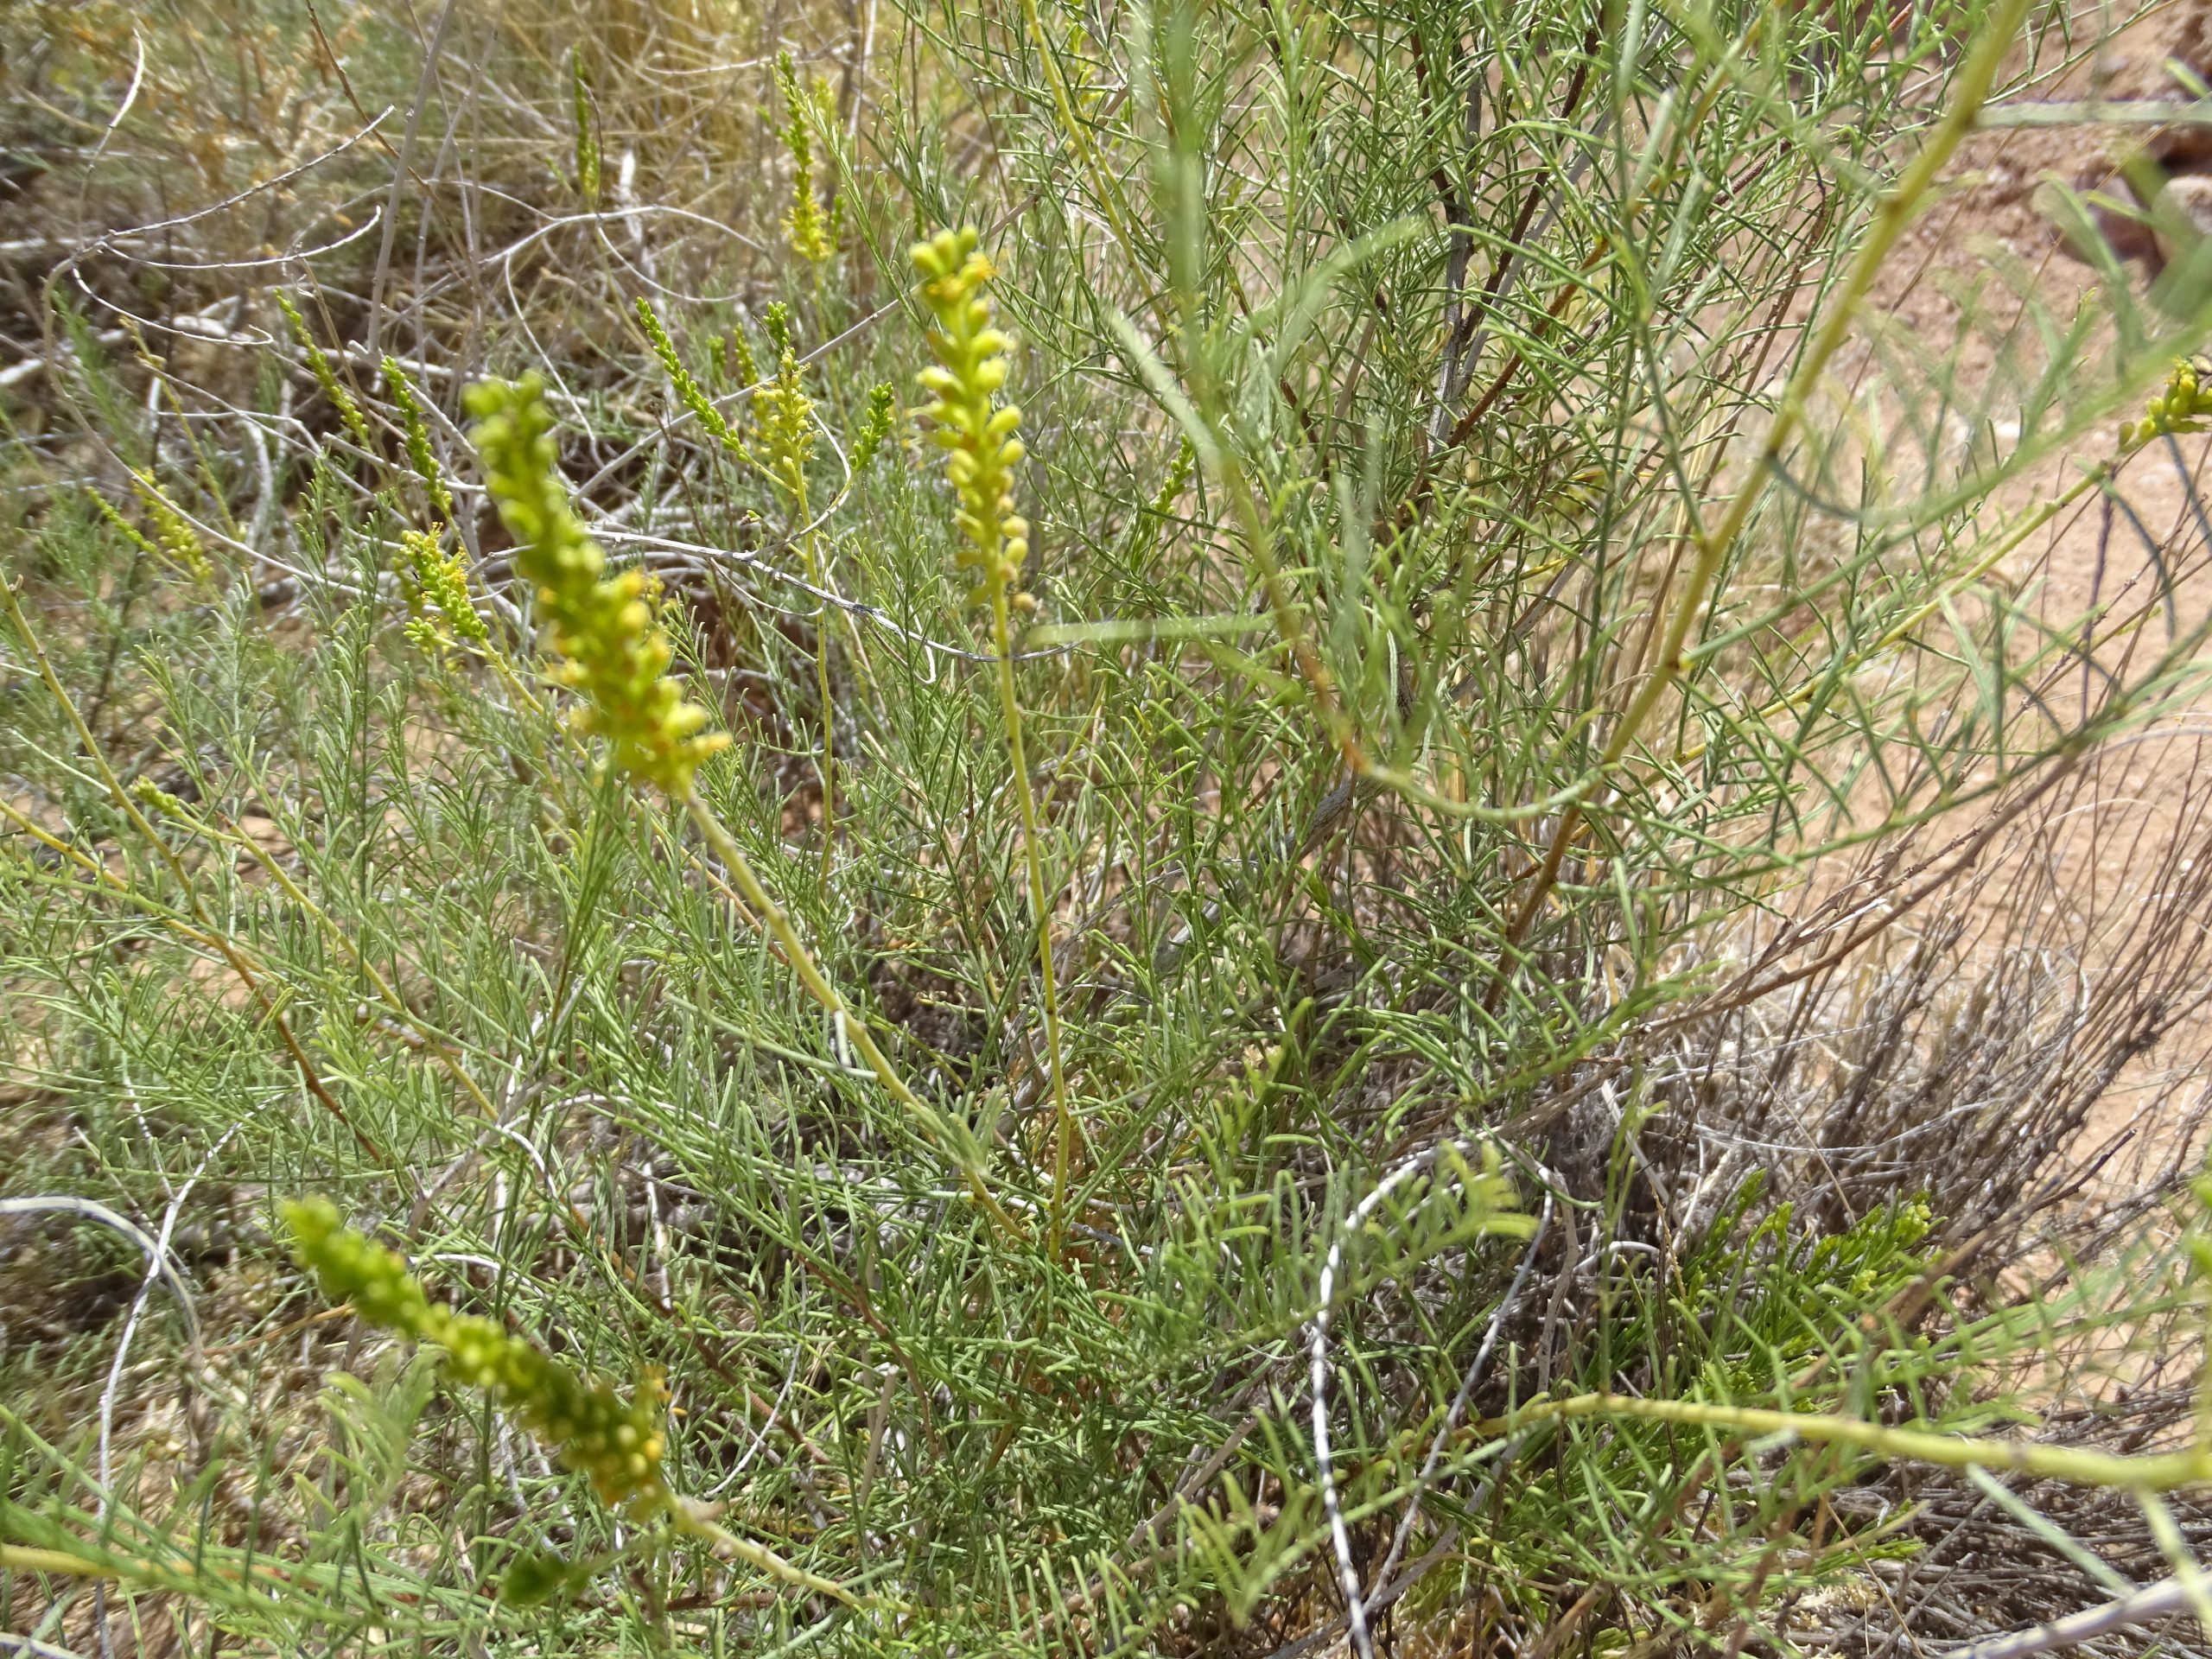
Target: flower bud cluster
970	368
417	429
689	392
617	1444
782	426
436	586
875	427
600	626
2180	406
812	230
349	412
180	542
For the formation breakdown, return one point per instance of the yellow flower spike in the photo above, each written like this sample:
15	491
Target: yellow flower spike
742	367
875	427
180	542
688	389
813	231
783	417
349	412
970	368
612	653
616	1444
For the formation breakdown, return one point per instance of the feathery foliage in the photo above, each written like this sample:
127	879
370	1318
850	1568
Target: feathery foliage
1402	966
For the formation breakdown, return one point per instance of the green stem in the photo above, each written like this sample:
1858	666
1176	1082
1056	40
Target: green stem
777	922
690	1521
22	1558
1892	215
812	555
1064	1134
2158	1472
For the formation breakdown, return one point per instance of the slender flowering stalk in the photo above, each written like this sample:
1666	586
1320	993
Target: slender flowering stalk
599	627
617	1444
978	435
689	392
1178	477
587	141
602	629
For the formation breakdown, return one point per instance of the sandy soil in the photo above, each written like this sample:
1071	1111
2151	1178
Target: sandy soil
1948	281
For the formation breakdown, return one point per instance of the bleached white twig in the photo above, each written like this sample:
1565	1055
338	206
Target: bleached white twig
1340	1535
157	1254
2147	1605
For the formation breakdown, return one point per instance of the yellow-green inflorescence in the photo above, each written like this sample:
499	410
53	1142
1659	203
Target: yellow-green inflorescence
782	427
812	230
417	429
874	427
349	412
180	542
436	586
970	368
2181	406
688	390
601	628
781	442
616	1443
743	367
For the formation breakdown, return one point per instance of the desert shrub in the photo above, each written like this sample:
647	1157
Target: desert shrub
1063	828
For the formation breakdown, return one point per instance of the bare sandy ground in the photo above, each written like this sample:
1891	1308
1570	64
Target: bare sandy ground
1992	232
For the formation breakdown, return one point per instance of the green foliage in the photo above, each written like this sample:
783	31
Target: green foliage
1473	566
